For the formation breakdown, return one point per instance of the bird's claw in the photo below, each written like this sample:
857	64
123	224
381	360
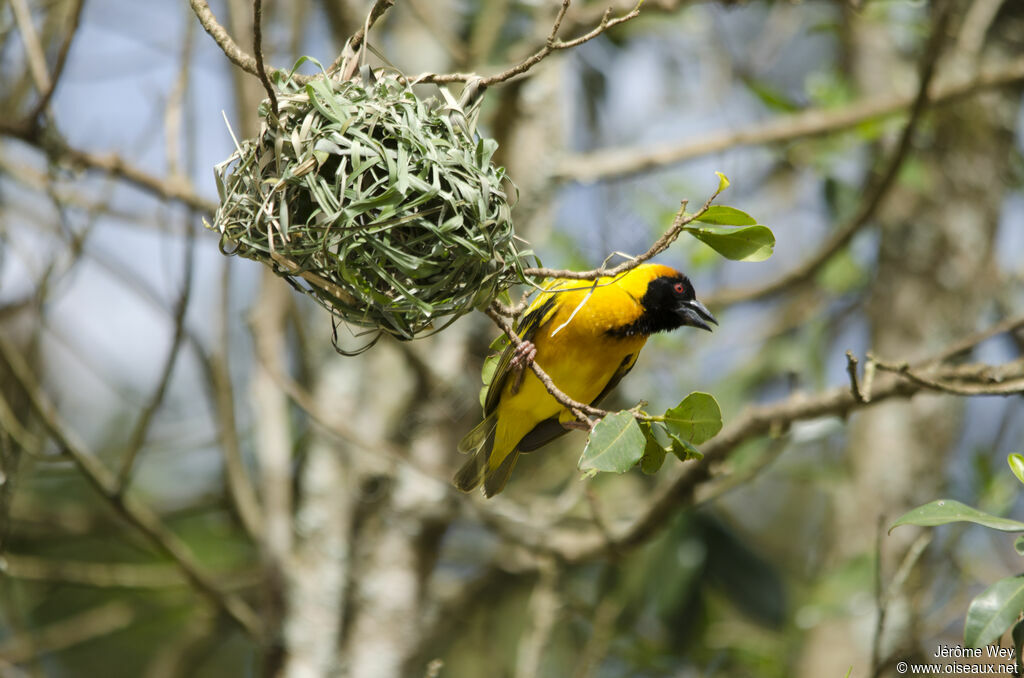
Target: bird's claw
524	354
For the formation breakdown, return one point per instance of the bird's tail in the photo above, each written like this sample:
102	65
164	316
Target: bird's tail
476	470
479	442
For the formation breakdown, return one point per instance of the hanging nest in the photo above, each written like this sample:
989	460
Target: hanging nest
384	208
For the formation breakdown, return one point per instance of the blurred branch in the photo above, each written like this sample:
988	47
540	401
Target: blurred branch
177	189
139	515
58	68
273	442
543	608
619	163
875	192
138	435
99	575
70	631
218	374
34	52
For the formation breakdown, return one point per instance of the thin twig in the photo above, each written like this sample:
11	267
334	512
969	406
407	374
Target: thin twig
680	222
348	56
257	48
33	48
989	383
62	58
851	369
138	436
578	409
552	44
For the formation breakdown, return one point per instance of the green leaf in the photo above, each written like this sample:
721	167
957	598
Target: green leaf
1016	462
994	611
616	444
750	243
654	451
723	215
1018	544
683	450
723	182
944	511
695	420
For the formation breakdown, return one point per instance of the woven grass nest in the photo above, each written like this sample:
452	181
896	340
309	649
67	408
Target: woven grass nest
384	208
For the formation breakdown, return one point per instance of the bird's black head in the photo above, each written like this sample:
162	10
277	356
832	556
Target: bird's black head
669	302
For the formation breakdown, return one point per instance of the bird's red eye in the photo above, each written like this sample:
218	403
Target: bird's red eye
680	288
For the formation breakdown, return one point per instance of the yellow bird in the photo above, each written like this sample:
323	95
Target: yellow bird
586	337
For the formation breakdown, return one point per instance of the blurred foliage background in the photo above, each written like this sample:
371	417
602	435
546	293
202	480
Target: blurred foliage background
195	484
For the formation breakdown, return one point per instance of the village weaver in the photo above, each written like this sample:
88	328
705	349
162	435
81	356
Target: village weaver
586	336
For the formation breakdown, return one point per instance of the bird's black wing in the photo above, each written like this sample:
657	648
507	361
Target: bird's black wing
527	330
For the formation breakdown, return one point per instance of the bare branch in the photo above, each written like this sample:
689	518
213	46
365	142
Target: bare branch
93	623
257	48
33	48
62	57
138	436
220	35
851	369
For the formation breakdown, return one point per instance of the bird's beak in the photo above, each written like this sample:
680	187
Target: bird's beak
696	314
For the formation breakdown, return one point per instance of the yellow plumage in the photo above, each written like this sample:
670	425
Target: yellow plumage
587	337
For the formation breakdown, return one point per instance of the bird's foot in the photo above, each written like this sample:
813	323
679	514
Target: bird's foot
523	355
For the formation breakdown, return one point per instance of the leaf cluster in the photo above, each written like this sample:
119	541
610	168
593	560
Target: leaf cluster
624	439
